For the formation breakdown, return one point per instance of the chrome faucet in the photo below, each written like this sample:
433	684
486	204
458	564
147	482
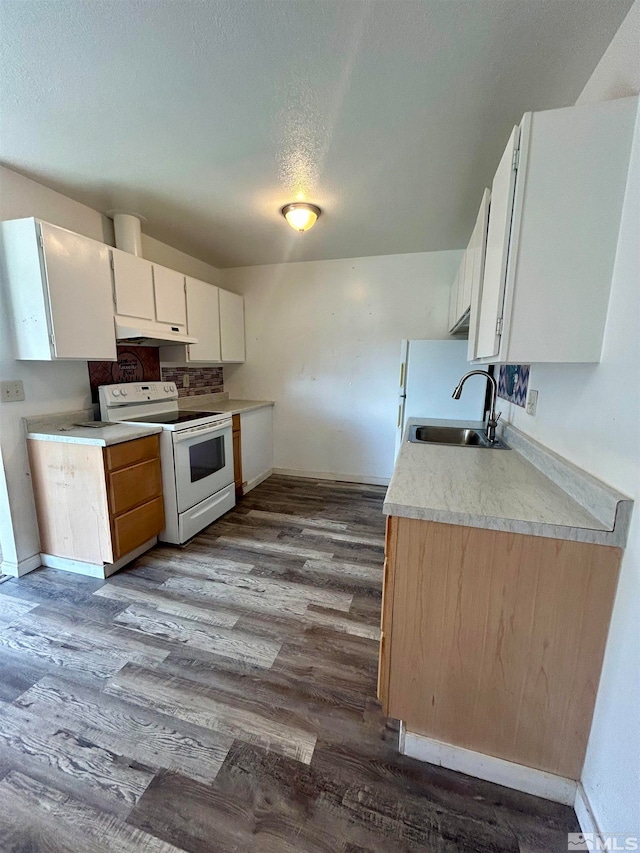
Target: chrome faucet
492	423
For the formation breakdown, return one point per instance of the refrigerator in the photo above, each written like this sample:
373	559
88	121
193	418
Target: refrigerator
429	371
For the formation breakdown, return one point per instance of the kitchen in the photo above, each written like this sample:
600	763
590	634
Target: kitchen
323	342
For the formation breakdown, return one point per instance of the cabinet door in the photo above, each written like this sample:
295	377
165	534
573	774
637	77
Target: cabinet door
477	247
231	326
256	445
453	301
78	278
169	290
498	235
203	320
133	285
462	304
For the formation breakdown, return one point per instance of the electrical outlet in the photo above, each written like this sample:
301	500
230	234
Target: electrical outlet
185	380
532	403
12	391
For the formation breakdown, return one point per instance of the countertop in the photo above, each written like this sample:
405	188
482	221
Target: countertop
220	403
503	490
61	427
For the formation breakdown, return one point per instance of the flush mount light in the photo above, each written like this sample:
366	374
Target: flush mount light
300	215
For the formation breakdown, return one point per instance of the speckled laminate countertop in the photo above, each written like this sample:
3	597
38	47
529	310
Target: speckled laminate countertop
62	427
502	490
221	403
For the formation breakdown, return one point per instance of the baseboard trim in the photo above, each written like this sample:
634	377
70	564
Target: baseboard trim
22	567
326	475
491	769
94	570
251	484
584	813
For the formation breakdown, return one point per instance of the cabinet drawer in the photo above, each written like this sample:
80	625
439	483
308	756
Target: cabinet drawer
135	527
135	485
131	452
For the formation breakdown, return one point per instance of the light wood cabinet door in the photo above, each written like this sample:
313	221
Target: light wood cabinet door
78	280
497	640
134	528
170	298
203	321
133	285
232	343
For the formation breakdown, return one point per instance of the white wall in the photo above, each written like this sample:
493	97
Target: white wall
590	414
49	386
323	342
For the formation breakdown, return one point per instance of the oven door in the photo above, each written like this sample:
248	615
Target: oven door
203	461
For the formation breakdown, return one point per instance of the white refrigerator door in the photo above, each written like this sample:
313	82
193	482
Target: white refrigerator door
433	369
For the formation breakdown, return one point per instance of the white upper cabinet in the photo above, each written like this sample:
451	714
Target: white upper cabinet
133	285
477	251
169	289
59	286
203	321
216	318
495	265
556	203
232	342
466	285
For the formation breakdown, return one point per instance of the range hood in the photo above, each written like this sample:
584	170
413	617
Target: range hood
128	238
149	333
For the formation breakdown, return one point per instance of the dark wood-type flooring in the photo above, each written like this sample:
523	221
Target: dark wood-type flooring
221	697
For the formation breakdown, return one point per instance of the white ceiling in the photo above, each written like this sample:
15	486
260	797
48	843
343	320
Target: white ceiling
207	116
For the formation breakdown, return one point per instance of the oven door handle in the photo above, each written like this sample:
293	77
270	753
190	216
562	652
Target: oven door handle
200	432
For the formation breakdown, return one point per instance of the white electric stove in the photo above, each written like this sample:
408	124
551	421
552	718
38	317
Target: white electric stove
196	453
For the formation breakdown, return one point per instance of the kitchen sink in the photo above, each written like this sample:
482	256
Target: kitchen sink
456	436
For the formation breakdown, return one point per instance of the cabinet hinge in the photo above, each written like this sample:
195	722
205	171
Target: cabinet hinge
516	159
40	240
499	326
111	261
52	338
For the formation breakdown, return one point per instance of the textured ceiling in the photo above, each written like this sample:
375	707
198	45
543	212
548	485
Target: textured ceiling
207	116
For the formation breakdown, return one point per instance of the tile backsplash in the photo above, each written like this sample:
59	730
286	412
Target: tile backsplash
142	364
513	383
202	380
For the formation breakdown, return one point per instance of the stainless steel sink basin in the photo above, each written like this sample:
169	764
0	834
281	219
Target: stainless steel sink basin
457	436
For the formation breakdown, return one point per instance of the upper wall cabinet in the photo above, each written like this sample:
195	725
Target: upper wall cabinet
132	285
216	318
467	281
147	293
169	290
556	202
59	292
231	326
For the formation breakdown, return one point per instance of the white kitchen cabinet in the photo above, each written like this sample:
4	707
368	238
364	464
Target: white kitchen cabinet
556	203
132	285
232	343
256	429
476	251
203	321
170	299
59	292
458	312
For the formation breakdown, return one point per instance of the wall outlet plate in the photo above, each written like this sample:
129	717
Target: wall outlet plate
185	380
12	391
532	402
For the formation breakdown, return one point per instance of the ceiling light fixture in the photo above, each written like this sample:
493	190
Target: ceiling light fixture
300	215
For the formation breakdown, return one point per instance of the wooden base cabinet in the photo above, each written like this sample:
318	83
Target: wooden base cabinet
494	641
96	505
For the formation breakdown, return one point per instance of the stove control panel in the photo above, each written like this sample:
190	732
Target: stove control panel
125	394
